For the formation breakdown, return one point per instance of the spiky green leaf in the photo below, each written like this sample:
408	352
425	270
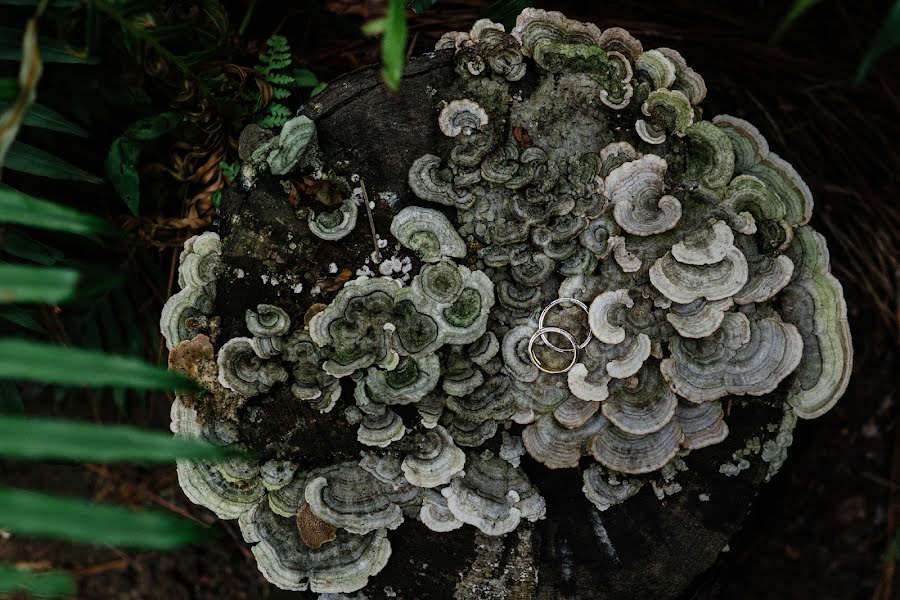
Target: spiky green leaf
34	161
21	209
27	360
39	584
887	38
55	439
21	317
797	10
52	51
47	118
42	515
393	44
25	283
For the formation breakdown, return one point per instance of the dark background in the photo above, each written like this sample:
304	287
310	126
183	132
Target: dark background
825	527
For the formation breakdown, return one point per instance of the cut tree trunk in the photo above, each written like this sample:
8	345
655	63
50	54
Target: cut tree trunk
644	548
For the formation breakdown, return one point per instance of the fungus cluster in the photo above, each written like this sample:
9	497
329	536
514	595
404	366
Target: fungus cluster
581	170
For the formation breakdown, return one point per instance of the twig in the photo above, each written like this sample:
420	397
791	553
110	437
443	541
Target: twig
376	256
112	565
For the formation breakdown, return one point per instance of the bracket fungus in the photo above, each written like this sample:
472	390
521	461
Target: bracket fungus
572	169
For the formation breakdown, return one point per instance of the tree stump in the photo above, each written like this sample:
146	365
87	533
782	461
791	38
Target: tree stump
655	543
642	548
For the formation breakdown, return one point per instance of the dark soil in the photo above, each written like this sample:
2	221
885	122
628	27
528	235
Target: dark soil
823	526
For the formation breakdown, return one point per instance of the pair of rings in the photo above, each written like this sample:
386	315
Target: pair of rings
542	334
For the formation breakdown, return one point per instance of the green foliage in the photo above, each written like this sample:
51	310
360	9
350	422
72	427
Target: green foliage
21	245
24	283
47	118
274	63
52	51
887	38
55	439
21	317
305	78
797	9
21	209
34	161
229	172
125	152
230	169
37	267
40	584
42	515
26	360
393	31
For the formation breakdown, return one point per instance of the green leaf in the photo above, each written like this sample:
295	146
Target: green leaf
52	51
375	26
318	89
47	118
125	152
42	515
56	439
41	584
24	283
34	161
887	38
230	169
393	44
21	209
281	79
26	247
798	8
276	115
277	63
21	317
27	360
305	78
420	6
10	399
152	127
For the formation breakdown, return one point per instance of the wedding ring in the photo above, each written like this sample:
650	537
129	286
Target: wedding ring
547	308
540	333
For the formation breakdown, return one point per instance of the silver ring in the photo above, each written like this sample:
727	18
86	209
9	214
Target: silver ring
540	333
547	308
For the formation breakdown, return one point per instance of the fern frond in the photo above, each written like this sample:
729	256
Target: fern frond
277	114
277	64
282	79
